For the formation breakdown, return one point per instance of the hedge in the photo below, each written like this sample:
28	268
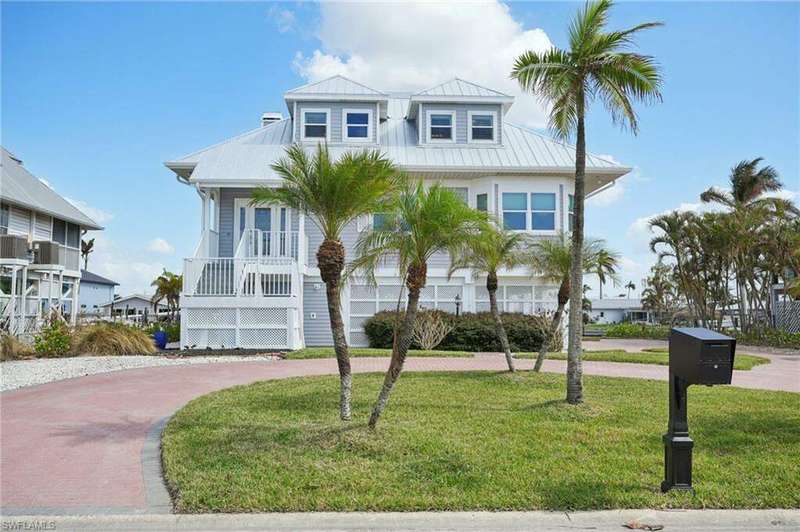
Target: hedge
472	332
762	337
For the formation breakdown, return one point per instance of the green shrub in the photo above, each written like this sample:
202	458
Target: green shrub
767	337
53	340
471	332
637	330
112	339
173	330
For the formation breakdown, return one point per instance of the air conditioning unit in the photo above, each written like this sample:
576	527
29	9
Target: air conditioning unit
45	252
13	247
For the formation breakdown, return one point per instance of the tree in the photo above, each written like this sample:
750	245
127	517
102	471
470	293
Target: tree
596	65
423	222
488	251
333	194
168	288
87	246
552	260
630	286
660	294
605	268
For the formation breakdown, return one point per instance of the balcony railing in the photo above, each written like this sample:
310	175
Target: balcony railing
240	277
69	258
273	244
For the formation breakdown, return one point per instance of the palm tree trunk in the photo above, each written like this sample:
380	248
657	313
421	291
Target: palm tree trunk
563	298
491	287
415	282
601	289
574	365
330	259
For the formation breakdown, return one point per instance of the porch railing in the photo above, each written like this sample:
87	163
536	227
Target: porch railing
240	277
275	244
70	258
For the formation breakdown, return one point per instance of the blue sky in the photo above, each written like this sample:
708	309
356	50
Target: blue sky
95	96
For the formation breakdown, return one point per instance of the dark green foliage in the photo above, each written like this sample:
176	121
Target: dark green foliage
472	332
53	340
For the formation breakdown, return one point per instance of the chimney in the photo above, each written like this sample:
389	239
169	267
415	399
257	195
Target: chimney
268	118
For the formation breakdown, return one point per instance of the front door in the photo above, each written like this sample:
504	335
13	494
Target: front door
271	223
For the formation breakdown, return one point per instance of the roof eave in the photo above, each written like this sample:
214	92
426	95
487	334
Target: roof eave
87	223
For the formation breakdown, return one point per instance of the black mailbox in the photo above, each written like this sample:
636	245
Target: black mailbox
701	356
696	356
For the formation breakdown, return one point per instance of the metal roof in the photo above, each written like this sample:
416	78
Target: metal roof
616	304
460	88
246	159
19	186
141	297
89	277
334	86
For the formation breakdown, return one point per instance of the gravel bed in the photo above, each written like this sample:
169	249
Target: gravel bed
19	373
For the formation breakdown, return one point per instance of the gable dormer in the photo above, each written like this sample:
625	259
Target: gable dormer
459	112
336	110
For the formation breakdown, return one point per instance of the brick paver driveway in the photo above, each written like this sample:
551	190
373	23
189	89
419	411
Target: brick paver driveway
77	446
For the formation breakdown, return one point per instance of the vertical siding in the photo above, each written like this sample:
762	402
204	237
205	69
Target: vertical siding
317	330
44	227
335	109
19	221
462	113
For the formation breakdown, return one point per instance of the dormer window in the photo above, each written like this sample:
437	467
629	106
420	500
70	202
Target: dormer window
357	125
482	126
441	126
316	124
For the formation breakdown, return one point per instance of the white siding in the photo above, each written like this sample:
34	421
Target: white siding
44	227
19	221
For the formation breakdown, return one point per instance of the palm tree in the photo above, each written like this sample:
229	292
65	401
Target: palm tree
87	246
605	268
168	287
597	65
422	223
630	286
748	185
333	195
552	260
493	248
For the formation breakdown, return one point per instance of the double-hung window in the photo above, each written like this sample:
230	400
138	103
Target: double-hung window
315	124
357	125
441	126
4	216
482	202
482	126
515	210
571	211
543	211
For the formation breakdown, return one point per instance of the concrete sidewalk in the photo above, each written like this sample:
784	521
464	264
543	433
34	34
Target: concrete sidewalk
676	520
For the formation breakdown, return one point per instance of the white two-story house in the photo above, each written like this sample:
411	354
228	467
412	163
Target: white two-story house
40	240
253	281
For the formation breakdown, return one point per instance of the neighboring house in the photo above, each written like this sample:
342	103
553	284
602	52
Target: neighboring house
95	291
131	306
455	133
619	310
40	237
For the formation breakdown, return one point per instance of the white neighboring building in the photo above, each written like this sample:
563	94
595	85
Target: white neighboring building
131	306
619	310
95	291
253	281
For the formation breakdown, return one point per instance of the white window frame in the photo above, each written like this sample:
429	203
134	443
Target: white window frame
303	112
531	210
493	114
526	212
430	113
346	137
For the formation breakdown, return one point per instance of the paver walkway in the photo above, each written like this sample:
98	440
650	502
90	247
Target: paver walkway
76	446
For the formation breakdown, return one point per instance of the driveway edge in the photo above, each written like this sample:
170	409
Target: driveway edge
155	488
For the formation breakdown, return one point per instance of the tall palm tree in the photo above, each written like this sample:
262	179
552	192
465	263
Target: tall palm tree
552	260
423	222
605	268
597	65
87	246
168	288
748	184
488	251
333	194
630	286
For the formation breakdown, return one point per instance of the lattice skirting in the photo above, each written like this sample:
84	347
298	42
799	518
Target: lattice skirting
250	328
787	315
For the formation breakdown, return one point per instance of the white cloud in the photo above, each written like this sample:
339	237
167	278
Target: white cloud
159	245
284	19
614	193
413	46
98	215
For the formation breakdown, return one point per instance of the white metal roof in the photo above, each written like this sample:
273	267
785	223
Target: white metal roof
19	186
334	86
616	304
459	87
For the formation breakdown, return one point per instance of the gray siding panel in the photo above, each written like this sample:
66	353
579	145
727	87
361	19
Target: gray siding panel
335	109
44	227
19	221
226	217
461	110
349	237
317	330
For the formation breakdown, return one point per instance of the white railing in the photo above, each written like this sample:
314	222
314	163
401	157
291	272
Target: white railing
276	244
209	244
69	258
240	277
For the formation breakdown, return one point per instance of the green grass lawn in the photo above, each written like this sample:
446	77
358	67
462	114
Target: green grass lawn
742	362
476	441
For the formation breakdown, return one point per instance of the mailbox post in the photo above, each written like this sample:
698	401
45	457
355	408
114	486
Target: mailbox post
696	356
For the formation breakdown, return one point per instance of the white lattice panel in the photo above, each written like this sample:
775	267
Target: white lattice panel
201	338
449	292
362	307
254	317
391	305
360	291
267	338
358	339
205	317
389	291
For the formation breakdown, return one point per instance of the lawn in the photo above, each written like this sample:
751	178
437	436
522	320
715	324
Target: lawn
476	441
742	362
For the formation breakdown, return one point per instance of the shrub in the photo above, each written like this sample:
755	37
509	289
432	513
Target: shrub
173	330
767	337
431	327
637	330
13	349
112	339
471	332
53	340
